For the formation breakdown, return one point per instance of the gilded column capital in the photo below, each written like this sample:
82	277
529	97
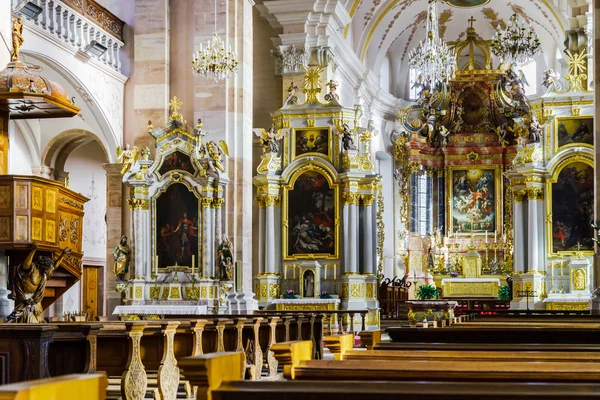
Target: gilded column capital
367	199
206	202
260	200
519	195
535	193
139	204
350	198
217	203
272	200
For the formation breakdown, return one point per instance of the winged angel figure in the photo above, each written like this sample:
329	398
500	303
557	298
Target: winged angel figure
269	140
215	154
127	157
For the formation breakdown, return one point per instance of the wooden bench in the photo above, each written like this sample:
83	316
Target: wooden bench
66	387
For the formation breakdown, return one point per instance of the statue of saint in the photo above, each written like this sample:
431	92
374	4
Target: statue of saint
226	258
17	38
121	255
29	284
347	140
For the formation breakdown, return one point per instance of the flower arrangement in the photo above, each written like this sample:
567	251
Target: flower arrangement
454	274
504	293
289	294
428	292
325	295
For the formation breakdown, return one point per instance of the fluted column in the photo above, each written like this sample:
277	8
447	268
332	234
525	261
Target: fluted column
535	229
207	266
261	235
141	242
271	264
519	251
218	229
368	233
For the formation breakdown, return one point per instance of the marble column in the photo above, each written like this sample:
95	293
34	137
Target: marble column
261	235
114	220
535	229
141	242
218	232
207	267
272	265
368	233
519	250
351	226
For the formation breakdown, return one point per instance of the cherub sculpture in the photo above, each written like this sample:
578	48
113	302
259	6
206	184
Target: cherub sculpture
347	139
550	79
535	131
332	85
269	140
127	157
29	283
216	153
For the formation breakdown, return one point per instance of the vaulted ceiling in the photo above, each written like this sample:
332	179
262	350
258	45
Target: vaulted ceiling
383	30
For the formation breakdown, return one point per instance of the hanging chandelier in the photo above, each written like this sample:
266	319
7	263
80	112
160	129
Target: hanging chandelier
517	44
213	61
433	58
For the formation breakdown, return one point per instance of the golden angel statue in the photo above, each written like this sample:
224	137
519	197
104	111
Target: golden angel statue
29	283
269	140
215	154
127	157
17	38
121	254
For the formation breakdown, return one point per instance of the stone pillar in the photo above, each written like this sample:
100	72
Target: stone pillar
218	232
261	236
532	236
114	221
6	305
519	250
272	265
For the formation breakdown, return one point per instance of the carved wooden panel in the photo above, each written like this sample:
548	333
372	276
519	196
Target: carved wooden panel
22	197
37	199
4	228
50	231
90	290
50	201
36	228
21	231
5	202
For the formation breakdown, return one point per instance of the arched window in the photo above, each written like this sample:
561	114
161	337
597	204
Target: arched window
421	204
413	74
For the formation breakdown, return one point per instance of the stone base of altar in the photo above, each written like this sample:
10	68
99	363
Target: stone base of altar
470	287
302	304
160	310
529	291
567	302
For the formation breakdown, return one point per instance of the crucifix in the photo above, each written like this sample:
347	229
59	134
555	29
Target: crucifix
471	20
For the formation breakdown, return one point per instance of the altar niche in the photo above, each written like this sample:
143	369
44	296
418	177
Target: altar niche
176	226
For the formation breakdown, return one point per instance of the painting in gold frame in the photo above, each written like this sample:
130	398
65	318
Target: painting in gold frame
310	215
474	196
316	141
569	204
573	131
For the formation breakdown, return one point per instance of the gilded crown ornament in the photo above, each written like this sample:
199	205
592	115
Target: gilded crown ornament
517	44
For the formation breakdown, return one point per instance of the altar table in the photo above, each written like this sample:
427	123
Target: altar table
302	304
157	311
470	287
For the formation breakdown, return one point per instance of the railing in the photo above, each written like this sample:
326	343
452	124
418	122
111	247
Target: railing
392	297
80	22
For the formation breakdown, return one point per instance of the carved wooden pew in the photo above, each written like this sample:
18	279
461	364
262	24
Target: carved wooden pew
65	387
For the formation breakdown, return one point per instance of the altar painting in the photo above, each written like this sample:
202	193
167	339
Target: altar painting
315	141
574	131
176	161
310	220
176	226
573	208
473	205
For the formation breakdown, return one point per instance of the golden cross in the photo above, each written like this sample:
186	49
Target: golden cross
175	104
471	20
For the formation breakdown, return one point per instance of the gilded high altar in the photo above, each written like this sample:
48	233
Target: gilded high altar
317	196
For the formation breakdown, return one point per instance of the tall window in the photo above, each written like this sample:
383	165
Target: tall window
422	207
413	75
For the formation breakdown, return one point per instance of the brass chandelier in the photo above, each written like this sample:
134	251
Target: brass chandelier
213	61
517	44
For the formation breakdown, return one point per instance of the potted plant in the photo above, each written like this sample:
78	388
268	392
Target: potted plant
289	294
428	307
454	274
325	295
504	293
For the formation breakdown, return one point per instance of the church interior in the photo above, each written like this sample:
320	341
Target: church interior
227	199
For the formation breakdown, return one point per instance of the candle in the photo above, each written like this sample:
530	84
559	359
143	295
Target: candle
285	272
156	265
334	270
326	271
486	237
495	236
193	262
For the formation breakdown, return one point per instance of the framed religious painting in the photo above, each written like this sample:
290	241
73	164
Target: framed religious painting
475	199
176	226
312	142
310	208
570	202
573	131
176	161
